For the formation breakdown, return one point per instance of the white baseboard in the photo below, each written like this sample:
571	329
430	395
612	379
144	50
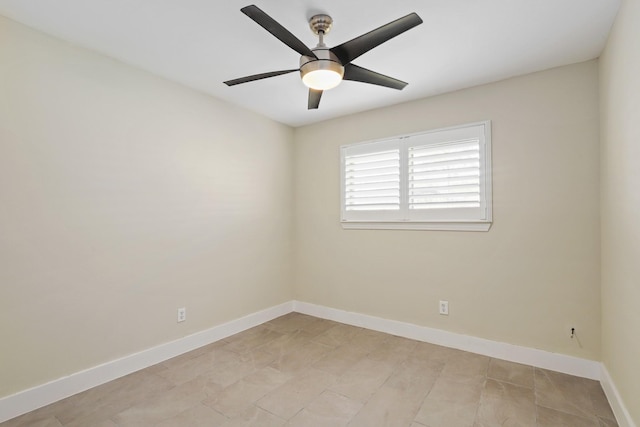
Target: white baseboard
617	405
514	353
42	395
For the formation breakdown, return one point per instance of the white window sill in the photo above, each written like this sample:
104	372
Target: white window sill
405	225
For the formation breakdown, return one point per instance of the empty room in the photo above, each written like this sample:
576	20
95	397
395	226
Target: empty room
319	213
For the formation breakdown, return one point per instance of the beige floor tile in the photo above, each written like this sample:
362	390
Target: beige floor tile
93	416
309	371
31	420
179	360
606	422
295	394
101	403
242	335
286	343
337	335
256	359
235	399
505	404
552	418
255	417
389	406
290	323
159	408
190	368
397	402
305	355
128	386
228	372
452	402
340	359
510	372
363	379
427	351
415	378
367	340
393	350
105	423
318	326
564	393
328	409
466	364
202	385
253	340
599	400
196	416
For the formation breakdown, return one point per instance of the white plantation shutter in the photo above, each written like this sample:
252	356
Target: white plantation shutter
445	176
373	181
441	176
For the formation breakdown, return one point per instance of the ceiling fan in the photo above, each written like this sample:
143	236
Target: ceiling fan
323	68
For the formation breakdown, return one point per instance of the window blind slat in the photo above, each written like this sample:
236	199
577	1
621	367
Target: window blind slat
376	207
452	189
373	193
382	185
372	200
463	155
447	205
442	198
450	165
372	165
374	172
382	179
372	157
426	176
446	182
444	148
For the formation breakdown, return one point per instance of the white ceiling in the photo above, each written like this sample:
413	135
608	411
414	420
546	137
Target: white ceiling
201	43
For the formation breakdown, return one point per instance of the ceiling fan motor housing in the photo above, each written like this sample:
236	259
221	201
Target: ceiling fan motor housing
326	60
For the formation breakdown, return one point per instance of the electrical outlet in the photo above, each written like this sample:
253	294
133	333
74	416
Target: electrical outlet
182	314
444	307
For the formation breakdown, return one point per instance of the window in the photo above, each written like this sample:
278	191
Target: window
436	180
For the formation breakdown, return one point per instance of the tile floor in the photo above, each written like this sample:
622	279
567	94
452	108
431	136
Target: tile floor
298	370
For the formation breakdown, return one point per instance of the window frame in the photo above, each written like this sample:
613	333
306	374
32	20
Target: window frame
433	219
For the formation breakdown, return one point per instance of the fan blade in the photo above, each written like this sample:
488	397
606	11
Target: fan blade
257	77
348	51
359	74
281	33
314	99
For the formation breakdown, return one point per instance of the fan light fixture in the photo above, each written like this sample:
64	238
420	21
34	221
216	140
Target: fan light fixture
323	71
321	74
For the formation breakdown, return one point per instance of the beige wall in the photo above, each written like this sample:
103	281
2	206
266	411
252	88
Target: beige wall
123	197
620	183
528	280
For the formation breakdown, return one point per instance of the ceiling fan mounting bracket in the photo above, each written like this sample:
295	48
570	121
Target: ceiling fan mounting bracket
320	24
